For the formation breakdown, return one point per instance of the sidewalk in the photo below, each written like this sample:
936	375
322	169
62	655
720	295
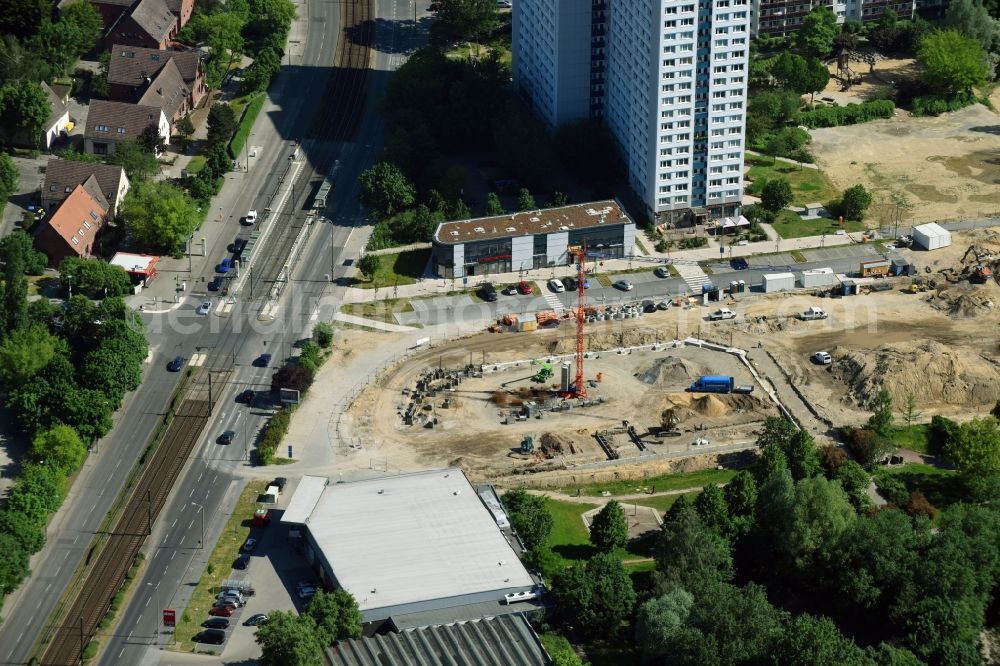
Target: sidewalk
440	286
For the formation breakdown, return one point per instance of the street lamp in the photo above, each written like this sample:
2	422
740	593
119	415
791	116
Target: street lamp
156	625
247	149
201	510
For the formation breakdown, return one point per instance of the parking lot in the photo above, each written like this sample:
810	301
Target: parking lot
274	570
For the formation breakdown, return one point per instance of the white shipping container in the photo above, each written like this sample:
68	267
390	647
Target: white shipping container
778	282
931	236
818	277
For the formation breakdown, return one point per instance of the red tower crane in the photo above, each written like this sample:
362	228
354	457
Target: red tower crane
579	388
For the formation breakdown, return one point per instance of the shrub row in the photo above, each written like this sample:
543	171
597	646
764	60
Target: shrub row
273	434
935	105
852	114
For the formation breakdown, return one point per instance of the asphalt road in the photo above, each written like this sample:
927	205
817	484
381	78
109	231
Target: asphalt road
211	484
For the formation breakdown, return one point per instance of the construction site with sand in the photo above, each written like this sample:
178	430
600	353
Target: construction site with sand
494	403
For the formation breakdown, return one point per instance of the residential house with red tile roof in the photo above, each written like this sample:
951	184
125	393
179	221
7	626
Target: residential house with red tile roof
149	23
72	229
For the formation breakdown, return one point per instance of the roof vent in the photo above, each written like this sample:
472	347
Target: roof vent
457	493
381	492
564	228
454	233
479	230
535	219
510	229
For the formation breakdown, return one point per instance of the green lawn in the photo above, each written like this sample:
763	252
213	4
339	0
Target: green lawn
912	437
674	481
397	269
942	487
196	164
254	105
790	225
661	503
570	540
808	185
382	310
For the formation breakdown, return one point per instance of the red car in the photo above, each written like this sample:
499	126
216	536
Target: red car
524	287
222	611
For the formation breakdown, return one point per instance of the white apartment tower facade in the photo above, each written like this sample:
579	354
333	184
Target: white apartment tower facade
668	76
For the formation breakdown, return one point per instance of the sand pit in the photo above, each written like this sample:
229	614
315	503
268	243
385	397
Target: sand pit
934	373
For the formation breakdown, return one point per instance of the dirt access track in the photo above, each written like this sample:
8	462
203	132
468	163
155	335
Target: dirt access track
909	343
944	167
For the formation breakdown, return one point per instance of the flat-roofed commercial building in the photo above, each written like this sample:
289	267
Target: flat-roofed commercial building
414	544
531	239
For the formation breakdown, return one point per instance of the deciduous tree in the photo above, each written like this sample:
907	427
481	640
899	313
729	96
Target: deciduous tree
529	516
24	108
819	27
59	447
159	216
659	620
953	63
975	451
524	200
713	510
464	20
815	641
287	639
821	514
336	616
688	551
139	163
776	194
368	265
972	19
385	189
493	205
855	202
609	529
881	407
596	596
9	177
25	352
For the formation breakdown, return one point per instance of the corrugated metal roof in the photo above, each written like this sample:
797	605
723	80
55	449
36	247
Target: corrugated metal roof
507	640
303	501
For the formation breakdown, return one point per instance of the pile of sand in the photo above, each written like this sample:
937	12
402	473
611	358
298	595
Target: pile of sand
553	444
613	340
761	326
971	305
709	405
702	404
933	373
669	371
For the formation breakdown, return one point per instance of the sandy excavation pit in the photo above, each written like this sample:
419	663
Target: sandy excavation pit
482	421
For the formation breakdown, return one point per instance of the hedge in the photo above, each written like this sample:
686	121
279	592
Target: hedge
273	434
852	114
935	105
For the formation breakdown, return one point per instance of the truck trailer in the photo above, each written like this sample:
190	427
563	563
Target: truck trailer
713	384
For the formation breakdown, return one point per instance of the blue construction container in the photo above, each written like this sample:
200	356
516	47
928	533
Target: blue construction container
713	384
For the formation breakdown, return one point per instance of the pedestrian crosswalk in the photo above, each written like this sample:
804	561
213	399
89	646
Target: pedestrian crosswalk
693	276
553	300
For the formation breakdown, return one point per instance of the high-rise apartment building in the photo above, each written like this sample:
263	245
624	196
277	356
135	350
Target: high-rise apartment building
668	76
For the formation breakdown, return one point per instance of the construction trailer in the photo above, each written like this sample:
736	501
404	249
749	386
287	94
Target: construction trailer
818	277
875	268
778	282
931	236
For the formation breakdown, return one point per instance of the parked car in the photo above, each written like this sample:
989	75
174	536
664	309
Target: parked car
661	272
823	358
176	364
722	313
255	620
216	283
224	265
227	437
624	285
504	4
524	287
245	397
216	623
701	442
226	610
211	636
242	563
251	218
570	283
249	545
204	307
238	246
649	305
231	592
556	286
663	305
280	482
488	292
263	360
739	264
307	592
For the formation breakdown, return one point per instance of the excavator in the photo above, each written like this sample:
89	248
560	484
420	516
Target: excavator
668	424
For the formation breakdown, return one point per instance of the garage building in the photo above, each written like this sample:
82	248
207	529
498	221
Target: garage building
531	239
415	545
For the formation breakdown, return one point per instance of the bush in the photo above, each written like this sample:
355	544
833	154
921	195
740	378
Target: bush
323	333
891	488
852	114
692	243
868	446
917	505
273	434
935	105
942	432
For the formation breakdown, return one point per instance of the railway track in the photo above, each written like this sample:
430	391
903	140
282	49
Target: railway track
106	576
337	119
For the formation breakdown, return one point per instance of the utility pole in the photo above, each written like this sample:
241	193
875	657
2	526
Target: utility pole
82	646
189	243
210	403
149	513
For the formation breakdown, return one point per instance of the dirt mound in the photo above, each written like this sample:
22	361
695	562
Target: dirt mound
747	403
669	371
970	305
768	325
709	405
553	444
606	341
933	373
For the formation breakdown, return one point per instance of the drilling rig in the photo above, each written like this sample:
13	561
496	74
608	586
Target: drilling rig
579	387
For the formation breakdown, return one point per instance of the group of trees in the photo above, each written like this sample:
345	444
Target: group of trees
257	28
288	638
37	45
63	372
94	278
798	527
222	124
